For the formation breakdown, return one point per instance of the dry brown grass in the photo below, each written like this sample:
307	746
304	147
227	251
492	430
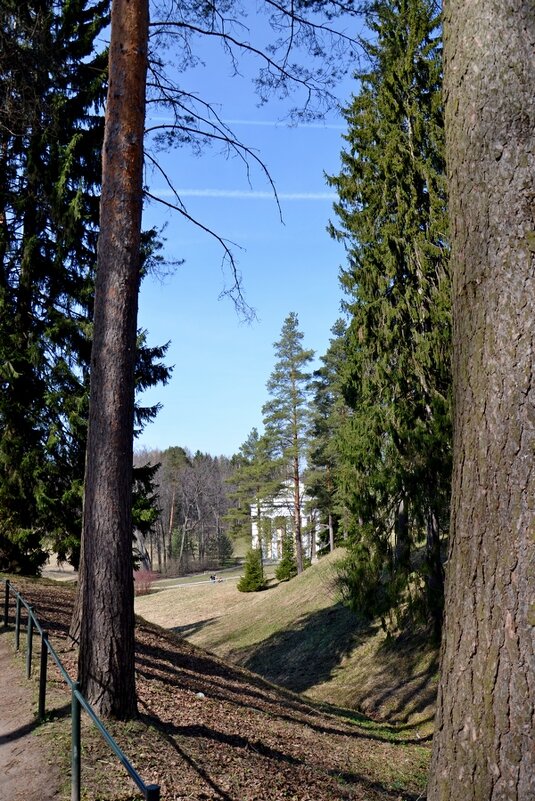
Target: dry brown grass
297	635
210	731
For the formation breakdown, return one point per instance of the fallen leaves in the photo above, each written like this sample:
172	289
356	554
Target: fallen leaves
210	731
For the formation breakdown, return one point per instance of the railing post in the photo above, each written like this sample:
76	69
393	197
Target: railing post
75	743
151	792
30	643
42	675
6	605
17	623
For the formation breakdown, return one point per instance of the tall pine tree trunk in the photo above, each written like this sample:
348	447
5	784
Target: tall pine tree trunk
485	741
182	541
106	663
160	536
151	549
297	515
330	521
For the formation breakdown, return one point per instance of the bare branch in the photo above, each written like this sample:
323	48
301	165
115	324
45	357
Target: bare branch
246	47
235	292
315	26
297	27
240	149
167	180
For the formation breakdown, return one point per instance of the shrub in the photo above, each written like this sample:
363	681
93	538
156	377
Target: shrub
287	567
143	580
253	579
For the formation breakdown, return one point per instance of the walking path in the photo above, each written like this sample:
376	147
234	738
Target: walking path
25	771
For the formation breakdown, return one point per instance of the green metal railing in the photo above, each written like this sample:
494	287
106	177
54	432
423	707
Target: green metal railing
151	792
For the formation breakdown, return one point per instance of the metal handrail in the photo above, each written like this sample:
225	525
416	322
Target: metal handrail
151	792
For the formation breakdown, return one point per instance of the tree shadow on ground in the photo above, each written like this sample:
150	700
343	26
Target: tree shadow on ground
55	714
308	653
194	744
313	650
193	628
408	670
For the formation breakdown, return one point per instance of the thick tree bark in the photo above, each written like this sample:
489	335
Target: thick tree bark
106	665
484	743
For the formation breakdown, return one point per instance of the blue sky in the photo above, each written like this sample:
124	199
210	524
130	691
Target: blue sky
221	363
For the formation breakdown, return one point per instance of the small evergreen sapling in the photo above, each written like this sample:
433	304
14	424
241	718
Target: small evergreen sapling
287	567
253	579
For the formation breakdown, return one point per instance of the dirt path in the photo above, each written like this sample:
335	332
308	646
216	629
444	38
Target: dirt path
25	771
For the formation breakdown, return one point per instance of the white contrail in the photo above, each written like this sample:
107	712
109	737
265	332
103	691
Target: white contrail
240	194
274	124
329	126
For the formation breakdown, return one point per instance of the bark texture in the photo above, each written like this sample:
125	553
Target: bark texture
484	747
107	595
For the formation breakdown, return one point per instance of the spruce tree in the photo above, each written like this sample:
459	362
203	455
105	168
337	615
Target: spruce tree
287	567
286	415
396	444
254	480
50	138
328	411
51	131
253	579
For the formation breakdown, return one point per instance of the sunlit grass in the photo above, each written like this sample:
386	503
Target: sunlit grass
297	635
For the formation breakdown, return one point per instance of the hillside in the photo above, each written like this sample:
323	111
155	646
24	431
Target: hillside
208	730
297	635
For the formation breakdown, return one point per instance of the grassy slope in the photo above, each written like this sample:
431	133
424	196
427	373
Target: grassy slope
208	730
297	635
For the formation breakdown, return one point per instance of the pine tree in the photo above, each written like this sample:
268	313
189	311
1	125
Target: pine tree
286	415
106	655
484	737
396	444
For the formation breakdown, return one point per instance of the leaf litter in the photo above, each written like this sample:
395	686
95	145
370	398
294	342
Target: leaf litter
211	731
